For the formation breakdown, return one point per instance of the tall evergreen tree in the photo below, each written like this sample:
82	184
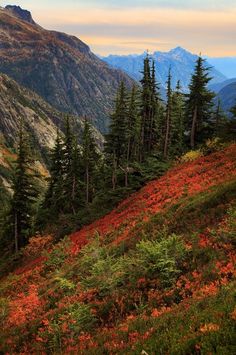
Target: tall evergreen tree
168	116
132	131
177	124
25	194
54	202
64	188
115	146
90	159
199	103
133	125
149	110
71	166
146	110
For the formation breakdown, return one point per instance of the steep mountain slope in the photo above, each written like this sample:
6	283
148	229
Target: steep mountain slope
151	277
40	120
227	96
219	86
18	103
181	62
59	67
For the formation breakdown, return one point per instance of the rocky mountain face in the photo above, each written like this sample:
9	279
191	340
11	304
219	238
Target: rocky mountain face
59	67
22	14
40	120
182	64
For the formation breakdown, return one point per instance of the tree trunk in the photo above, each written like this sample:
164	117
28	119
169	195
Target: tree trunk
167	134
16	233
193	128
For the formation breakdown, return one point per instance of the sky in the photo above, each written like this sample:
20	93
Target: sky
133	26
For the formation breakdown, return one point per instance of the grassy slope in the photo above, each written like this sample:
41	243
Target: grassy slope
156	275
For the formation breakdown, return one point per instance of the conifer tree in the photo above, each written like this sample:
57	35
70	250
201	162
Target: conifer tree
199	103
168	116
71	166
115	147
90	159
53	201
64	189
25	194
146	109
154	110
177	125
149	110
132	131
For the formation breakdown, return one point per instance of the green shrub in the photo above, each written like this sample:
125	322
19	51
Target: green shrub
106	274
64	284
57	256
83	317
3	310
161	258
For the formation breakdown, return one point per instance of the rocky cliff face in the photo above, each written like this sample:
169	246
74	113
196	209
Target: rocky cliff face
59	67
22	14
40	120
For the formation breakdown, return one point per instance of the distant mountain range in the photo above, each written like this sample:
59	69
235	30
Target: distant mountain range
226	65
59	67
219	86
178	59
227	96
226	93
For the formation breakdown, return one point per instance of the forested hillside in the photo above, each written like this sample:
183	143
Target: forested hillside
162	263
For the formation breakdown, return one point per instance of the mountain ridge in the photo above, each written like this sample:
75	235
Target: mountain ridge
21	13
180	60
58	67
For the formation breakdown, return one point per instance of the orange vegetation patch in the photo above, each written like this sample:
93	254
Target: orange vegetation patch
184	180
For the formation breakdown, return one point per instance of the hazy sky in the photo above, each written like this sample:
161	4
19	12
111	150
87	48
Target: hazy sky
132	26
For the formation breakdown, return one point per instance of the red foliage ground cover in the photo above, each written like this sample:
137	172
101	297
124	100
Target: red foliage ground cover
183	180
27	292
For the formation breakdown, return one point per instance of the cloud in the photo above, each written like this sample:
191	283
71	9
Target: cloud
175	4
133	25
